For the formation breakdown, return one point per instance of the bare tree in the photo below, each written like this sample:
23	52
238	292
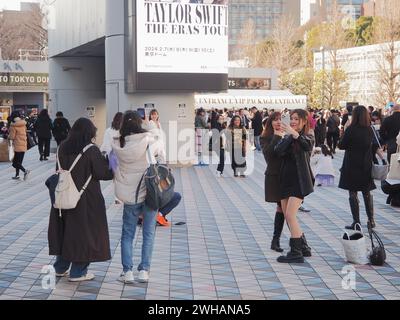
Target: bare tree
246	47
387	34
281	51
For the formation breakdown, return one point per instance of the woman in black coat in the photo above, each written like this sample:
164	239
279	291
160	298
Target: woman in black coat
80	236
355	174
43	127
297	180
61	128
320	131
236	136
270	137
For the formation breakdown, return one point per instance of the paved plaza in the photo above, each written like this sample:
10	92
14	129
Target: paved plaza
221	253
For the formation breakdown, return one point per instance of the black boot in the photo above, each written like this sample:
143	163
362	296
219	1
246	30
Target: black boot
355	212
41	158
278	228
369	207
295	254
305	249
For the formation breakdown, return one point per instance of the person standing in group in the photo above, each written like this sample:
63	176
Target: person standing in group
132	150
333	132
320	129
219	145
43	127
390	129
237	140
18	138
256	125
61	128
153	126
323	167
297	180
201	128
270	137
355	174
80	236
111	134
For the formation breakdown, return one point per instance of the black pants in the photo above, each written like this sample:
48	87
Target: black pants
17	162
44	143
59	141
332	139
221	164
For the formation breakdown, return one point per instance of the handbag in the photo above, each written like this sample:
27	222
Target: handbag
379	171
30	141
394	171
354	246
377	257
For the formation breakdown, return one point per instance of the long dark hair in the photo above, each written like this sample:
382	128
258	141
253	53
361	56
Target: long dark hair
360	117
117	121
44	114
131	124
233	121
269	130
81	134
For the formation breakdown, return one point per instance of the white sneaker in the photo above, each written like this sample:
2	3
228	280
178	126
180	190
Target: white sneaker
87	277
61	275
126	277
26	175
143	276
218	174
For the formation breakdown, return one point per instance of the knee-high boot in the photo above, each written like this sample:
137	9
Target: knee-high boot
369	207
355	211
278	228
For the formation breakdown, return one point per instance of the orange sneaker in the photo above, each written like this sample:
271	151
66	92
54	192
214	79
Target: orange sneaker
162	221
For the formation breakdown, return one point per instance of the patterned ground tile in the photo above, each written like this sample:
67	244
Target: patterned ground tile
221	253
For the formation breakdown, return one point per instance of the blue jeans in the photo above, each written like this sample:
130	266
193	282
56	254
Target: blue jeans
77	269
130	219
257	143
176	199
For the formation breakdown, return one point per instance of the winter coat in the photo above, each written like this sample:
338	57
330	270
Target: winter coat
43	127
61	128
109	135
18	135
132	164
389	130
301	150
274	164
355	174
81	234
256	124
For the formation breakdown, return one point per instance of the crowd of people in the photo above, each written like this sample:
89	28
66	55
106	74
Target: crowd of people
298	147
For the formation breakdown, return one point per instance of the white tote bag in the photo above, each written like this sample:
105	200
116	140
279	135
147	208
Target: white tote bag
10	152
354	247
394	172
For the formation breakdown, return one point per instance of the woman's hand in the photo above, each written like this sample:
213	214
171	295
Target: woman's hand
279	133
290	131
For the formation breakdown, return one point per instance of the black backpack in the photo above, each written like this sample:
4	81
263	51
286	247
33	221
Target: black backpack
160	184
377	256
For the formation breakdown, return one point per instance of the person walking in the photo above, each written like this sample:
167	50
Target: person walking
61	128
355	174
333	131
43	127
237	140
270	137
219	144
18	138
132	150
320	129
389	130
297	180
80	236
201	128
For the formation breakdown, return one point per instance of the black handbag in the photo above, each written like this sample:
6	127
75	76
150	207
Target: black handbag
377	257
30	141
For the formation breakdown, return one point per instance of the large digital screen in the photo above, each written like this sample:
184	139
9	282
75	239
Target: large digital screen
182	41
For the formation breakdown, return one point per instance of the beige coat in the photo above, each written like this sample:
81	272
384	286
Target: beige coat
18	135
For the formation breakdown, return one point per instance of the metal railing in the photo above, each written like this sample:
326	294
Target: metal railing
33	55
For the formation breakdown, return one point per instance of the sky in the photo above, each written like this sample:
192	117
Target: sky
13	4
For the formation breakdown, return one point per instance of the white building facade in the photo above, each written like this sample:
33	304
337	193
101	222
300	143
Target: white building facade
362	65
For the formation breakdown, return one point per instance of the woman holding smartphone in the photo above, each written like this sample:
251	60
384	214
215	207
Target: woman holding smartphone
297	180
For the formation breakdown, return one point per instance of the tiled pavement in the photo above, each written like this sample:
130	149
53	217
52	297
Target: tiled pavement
222	252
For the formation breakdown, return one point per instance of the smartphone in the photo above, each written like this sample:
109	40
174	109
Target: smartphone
142	113
286	119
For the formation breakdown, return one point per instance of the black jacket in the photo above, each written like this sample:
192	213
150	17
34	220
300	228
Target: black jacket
303	146
390	130
274	165
257	124
61	128
43	127
355	174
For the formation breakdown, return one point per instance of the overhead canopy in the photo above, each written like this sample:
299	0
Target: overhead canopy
236	99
